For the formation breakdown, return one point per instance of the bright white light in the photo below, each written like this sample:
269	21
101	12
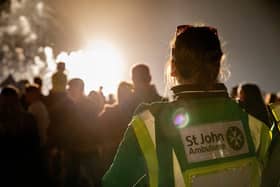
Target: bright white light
40	8
99	64
24	25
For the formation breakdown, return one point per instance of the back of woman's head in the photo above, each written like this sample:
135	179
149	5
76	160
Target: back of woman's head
196	54
250	93
251	100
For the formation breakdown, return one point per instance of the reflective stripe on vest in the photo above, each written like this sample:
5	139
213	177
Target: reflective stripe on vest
255	128
195	176
179	179
275	110
261	136
144	130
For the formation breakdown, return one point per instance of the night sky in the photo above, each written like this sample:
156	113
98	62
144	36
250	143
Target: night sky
142	29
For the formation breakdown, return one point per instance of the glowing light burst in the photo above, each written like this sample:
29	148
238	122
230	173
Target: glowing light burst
181	118
99	64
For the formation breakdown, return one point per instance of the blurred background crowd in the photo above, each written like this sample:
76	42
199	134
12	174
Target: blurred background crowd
72	137
68	138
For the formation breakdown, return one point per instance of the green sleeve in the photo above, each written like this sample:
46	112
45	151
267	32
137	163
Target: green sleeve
128	167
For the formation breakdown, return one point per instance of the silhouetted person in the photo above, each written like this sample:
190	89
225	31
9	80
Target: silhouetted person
111	99
144	91
250	98
97	100
21	85
114	121
270	98
19	142
39	111
58	105
38	81
58	91
84	150
100	91
86	110
61	135
62	120
59	79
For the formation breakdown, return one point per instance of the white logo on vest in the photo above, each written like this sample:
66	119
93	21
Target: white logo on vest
212	141
235	138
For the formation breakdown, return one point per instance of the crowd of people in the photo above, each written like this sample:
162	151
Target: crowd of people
72	137
68	138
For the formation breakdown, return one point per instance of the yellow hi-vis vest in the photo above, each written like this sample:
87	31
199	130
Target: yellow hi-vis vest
275	110
245	171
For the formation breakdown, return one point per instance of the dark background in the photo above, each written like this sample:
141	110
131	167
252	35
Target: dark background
142	29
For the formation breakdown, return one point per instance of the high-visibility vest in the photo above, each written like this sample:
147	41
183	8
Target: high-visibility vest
275	111
221	153
271	176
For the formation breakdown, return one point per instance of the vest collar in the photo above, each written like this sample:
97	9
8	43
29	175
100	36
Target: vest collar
194	91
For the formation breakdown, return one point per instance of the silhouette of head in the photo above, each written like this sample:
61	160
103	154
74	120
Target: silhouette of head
9	91
76	88
38	81
124	92
97	98
141	75
270	98
32	93
21	84
60	66
250	94
196	55
9	96
251	100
